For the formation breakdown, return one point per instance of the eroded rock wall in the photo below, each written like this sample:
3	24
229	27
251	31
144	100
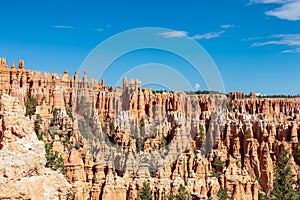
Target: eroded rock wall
113	140
22	158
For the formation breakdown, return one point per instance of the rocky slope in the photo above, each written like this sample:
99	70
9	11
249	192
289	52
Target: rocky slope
22	159
113	140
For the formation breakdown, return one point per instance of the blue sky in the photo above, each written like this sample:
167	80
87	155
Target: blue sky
255	44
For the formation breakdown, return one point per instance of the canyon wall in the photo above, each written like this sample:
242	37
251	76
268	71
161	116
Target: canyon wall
113	140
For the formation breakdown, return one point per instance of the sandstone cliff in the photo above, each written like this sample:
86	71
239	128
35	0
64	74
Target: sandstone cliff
22	159
113	140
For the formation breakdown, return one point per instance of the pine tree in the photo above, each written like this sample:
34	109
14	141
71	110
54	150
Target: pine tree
222	194
183	194
145	193
30	105
282	187
54	160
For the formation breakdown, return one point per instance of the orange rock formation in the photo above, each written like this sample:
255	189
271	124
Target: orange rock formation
113	140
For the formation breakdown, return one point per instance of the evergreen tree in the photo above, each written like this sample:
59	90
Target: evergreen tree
30	105
182	194
282	187
54	160
222	194
202	136
262	196
37	123
145	193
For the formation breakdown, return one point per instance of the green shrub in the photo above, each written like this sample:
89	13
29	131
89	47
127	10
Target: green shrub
145	193
215	173
40	136
258	180
140	144
70	114
182	194
30	105
262	196
54	160
202	135
77	146
37	123
67	139
70	195
218	163
222	194
152	171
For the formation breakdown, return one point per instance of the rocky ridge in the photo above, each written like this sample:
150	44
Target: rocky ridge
113	140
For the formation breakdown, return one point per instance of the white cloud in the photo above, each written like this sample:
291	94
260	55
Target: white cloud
252	38
63	27
184	34
98	29
174	34
208	35
289	9
289	40
281	39
297	50
226	26
269	1
197	86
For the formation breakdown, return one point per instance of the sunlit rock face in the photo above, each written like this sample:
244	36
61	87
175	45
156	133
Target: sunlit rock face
113	140
22	158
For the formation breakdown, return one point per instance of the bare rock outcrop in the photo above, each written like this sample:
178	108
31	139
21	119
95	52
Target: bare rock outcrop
113	140
22	159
